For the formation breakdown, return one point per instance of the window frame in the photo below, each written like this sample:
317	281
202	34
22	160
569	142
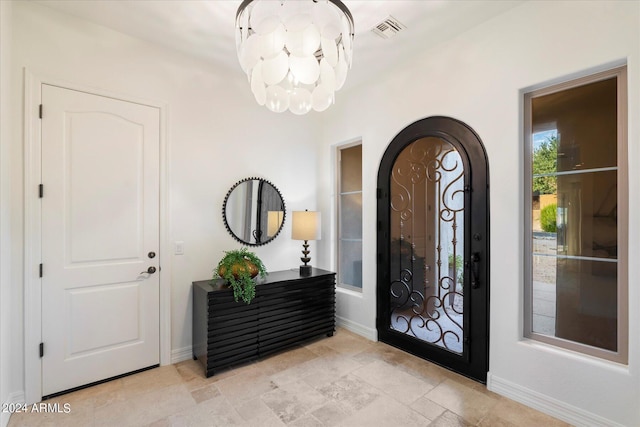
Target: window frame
621	355
338	212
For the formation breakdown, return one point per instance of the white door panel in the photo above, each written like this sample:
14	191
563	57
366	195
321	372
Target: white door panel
97	191
100	219
118	328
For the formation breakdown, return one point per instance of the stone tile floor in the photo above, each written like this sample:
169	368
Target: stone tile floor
344	380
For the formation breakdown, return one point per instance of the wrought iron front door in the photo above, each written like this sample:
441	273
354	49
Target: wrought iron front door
433	245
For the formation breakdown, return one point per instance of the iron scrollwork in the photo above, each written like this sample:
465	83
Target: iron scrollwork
427	216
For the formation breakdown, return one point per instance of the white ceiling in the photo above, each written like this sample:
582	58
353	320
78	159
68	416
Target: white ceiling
205	28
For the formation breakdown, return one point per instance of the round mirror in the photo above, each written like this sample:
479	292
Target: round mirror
253	211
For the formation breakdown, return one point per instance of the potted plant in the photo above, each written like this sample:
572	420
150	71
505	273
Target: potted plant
239	267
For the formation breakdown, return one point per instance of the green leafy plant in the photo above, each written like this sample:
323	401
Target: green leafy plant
545	161
239	267
457	264
548	218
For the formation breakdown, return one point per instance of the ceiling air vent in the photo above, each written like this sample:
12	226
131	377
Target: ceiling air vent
388	28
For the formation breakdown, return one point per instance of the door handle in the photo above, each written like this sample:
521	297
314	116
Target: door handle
475	270
149	270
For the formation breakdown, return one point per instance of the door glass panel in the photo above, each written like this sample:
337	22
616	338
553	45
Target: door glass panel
427	244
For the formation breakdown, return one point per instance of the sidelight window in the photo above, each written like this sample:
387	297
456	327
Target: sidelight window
350	217
576	215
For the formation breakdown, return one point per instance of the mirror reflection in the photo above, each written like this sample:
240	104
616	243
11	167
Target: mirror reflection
253	211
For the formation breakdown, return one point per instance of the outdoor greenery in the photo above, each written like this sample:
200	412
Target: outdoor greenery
239	267
545	160
548	218
458	266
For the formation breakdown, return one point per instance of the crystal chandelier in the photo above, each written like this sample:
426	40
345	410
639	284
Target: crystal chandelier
296	53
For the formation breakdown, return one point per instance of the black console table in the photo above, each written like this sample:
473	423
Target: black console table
288	308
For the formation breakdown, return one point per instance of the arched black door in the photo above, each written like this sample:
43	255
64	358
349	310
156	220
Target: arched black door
433	245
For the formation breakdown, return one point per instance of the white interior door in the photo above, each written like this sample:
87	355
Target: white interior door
100	224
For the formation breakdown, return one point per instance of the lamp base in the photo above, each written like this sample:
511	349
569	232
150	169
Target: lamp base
305	270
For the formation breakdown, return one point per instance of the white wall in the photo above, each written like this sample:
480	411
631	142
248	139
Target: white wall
216	135
478	78
5	231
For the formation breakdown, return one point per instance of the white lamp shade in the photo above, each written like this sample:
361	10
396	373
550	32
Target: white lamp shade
306	225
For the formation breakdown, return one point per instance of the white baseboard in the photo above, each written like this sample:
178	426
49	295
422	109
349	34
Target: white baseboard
356	328
181	354
543	403
13	398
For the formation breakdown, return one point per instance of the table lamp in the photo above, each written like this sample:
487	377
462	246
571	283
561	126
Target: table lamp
305	226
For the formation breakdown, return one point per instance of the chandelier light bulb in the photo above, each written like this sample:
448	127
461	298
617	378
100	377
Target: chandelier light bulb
296	53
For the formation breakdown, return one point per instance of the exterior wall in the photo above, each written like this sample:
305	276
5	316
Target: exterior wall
547	199
479	77
543	201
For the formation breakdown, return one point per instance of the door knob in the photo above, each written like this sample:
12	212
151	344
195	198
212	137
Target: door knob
149	270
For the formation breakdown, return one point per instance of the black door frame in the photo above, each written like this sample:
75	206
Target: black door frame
474	361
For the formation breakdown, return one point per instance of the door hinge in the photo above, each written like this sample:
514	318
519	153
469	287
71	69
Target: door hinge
40	270
41	349
40	111
41	191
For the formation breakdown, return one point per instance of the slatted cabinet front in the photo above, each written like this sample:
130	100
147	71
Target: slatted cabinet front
287	310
